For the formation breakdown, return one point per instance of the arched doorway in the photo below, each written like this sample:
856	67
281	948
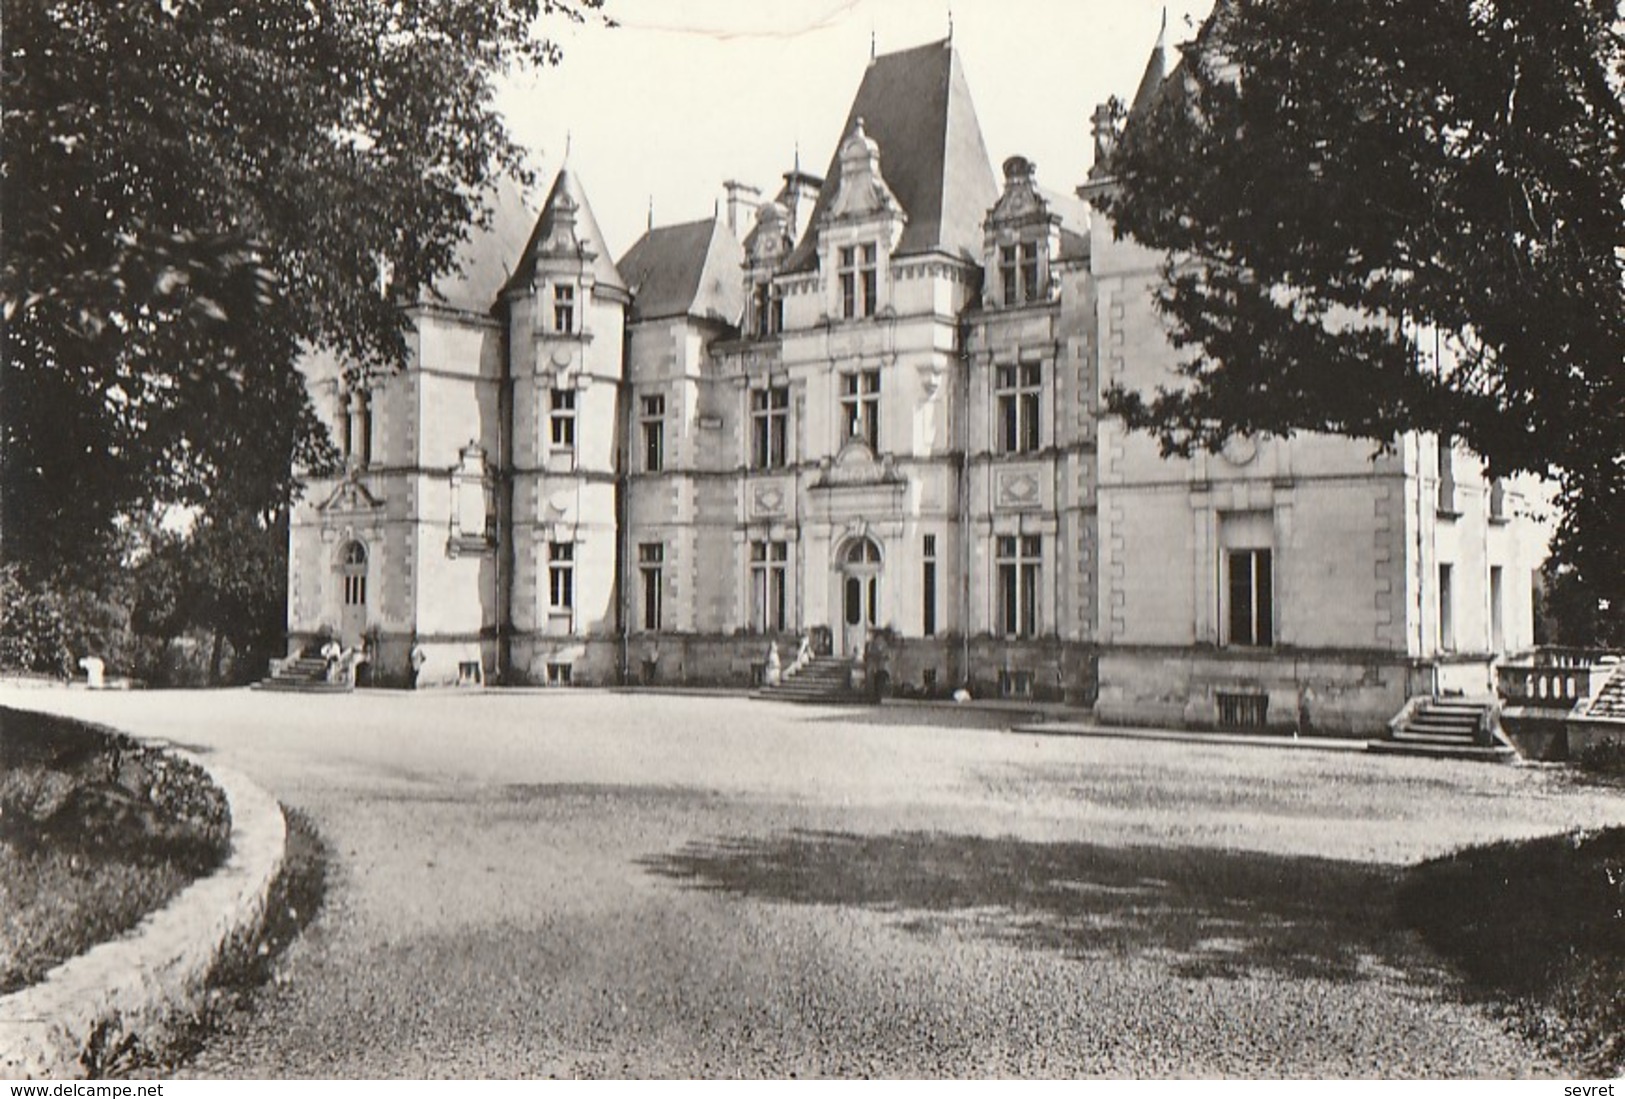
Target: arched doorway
353	585
859	568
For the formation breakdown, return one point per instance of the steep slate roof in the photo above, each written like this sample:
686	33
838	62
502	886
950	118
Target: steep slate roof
1074	222
586	231
483	259
916	105
691	269
1156	71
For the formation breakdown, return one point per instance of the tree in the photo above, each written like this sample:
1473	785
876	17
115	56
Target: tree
1401	215
197	190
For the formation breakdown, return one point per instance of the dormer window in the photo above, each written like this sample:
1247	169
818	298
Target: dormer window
564	308
1018	272
767	308
858	280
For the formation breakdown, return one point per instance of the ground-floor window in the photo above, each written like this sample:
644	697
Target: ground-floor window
769	585
1447	610
1250	592
928	594
651	555
558	675
1018	559
561	576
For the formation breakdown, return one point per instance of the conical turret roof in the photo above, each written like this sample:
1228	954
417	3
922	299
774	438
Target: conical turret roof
567	222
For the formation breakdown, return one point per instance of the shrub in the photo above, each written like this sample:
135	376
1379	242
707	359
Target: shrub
33	628
1603	757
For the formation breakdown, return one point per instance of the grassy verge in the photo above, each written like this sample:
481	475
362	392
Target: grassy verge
1538	927
96	831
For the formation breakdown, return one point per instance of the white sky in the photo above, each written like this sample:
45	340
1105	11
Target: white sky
685	95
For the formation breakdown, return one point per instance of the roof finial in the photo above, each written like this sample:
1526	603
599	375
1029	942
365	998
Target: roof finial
798	156
566	146
651	211
871	41
951	22
1162	32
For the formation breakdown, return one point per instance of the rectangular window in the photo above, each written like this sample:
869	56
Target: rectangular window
1018	560
767	308
651	557
563	417
355	427
1018	272
561	575
1447	610
355	591
1017	390
1447	476
1250	591
564	308
770	427
928	594
769	585
857	270
1498	639
558	675
652	414
860	406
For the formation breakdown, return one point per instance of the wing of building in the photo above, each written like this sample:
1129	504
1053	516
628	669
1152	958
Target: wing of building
869	410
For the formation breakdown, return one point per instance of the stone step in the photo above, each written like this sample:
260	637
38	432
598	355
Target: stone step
1499	753
303	686
1411	736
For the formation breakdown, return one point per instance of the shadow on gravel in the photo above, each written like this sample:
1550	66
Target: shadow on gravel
1205	913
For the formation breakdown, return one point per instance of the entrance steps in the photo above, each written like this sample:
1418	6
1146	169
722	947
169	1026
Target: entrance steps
1445	728
821	679
305	674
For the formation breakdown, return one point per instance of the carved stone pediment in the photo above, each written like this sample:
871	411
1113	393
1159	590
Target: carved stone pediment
856	463
863	193
350	496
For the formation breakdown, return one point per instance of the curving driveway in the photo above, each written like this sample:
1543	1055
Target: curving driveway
580	883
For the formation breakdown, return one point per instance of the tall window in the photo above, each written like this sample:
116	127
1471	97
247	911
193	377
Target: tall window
354	571
1018	559
355	426
564	308
1017	389
770	427
1250	592
1018	272
857	271
563	417
1447	609
769	585
561	575
1498	639
928	596
767	306
652	413
860	405
1447	475
651	557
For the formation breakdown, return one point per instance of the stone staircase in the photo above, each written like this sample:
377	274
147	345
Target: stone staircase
307	674
1444	728
1609	700
821	679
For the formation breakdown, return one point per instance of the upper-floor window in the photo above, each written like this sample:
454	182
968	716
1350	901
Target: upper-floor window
564	308
355	426
767	309
860	406
562	419
1018	559
1018	272
770	427
1017	388
858	282
652	416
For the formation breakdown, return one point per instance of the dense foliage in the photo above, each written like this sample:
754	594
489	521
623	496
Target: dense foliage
1404	215
195	191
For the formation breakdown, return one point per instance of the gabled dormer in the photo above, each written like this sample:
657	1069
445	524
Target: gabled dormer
859	230
566	264
766	245
1022	239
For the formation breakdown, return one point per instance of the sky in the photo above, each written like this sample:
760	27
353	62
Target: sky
682	96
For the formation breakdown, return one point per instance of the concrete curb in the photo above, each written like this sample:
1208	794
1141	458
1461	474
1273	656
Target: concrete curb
1177	736
129	988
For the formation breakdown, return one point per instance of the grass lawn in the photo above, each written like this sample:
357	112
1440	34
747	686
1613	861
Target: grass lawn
95	832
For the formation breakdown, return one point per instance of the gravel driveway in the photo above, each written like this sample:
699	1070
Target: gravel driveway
579	883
